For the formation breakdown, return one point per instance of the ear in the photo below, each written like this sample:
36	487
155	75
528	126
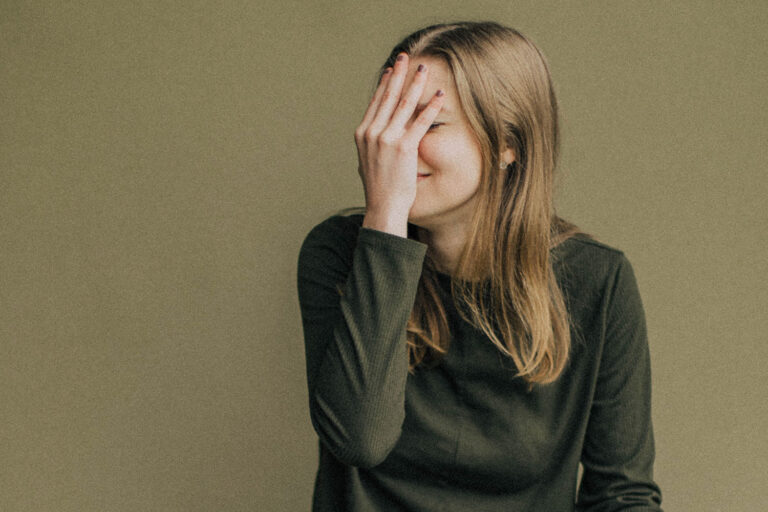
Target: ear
508	156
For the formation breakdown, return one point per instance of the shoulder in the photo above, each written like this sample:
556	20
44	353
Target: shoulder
336	228
333	238
330	247
343	230
588	253
585	266
602	295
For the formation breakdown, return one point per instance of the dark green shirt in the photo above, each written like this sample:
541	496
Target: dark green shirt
465	435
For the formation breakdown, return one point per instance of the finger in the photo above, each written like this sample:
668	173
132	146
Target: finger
373	105
422	123
391	94
409	100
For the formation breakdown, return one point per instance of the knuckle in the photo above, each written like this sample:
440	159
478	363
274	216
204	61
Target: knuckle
370	135
404	145
386	139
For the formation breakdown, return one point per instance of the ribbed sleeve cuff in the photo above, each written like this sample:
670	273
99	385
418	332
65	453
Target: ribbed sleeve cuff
389	241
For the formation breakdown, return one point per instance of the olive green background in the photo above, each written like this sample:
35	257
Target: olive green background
161	162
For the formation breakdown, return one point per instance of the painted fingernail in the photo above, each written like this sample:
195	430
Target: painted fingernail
400	57
420	68
387	70
440	92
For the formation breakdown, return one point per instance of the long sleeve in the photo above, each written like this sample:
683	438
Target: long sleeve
356	290
618	451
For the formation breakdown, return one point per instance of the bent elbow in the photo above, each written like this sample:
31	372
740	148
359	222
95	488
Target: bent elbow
364	444
364	455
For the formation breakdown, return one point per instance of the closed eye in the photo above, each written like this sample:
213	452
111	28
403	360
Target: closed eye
434	125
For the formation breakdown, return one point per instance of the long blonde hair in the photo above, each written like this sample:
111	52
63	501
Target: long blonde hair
504	276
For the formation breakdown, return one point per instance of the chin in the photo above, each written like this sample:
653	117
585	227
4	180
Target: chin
419	218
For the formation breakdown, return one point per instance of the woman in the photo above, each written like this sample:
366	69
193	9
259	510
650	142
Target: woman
466	348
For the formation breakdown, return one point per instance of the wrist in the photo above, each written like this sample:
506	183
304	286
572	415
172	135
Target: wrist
396	224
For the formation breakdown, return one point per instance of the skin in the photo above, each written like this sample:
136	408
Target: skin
409	130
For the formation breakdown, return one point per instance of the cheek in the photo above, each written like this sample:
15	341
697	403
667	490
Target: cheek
450	153
436	151
430	150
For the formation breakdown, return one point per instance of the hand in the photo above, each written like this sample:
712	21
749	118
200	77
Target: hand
387	150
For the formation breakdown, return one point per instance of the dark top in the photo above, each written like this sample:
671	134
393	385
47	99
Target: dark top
465	435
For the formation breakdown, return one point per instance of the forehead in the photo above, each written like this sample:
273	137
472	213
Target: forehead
438	69
439	76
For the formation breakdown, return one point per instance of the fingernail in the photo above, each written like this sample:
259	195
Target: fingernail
440	92
400	57
420	68
387	70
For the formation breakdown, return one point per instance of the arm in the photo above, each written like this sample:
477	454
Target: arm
618	450
356	355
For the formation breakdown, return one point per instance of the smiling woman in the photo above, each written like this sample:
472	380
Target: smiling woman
448	153
466	347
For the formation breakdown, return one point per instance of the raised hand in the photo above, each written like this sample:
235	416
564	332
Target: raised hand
387	149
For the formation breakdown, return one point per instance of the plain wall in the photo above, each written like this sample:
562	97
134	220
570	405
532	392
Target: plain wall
161	163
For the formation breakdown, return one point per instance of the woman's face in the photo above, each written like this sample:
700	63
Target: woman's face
448	153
